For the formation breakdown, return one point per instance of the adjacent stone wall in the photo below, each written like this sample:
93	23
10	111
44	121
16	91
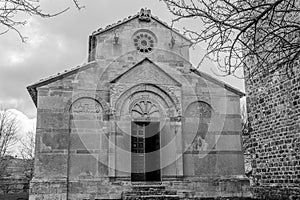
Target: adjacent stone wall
273	106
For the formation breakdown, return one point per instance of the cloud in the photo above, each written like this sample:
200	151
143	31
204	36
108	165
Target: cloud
24	125
44	54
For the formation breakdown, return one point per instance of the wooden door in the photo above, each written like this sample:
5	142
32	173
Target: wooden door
138	151
145	157
152	150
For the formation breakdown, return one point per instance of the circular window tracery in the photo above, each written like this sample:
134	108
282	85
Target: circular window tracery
144	42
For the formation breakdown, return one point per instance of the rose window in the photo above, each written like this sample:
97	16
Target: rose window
144	42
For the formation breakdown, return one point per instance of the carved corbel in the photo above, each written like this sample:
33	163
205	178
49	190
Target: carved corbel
145	15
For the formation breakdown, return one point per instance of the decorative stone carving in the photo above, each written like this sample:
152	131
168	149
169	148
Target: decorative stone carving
116	90
86	105
144	109
146	73
177	100
86	95
118	99
145	15
144	42
199	110
199	144
163	109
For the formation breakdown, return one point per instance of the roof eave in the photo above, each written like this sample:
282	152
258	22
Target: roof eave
167	26
114	26
32	88
220	83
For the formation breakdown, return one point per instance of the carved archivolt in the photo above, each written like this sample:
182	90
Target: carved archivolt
149	91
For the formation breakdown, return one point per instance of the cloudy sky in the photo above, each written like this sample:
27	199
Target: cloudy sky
60	43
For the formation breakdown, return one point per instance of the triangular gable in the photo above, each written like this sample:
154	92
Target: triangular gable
146	71
136	16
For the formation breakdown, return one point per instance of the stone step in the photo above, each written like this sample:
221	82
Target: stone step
148	187
152	197
151	192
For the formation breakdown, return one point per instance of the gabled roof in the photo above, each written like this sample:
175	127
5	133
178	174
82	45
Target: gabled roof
193	70
130	18
218	82
140	62
32	89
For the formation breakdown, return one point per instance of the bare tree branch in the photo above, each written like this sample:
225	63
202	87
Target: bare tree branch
8	138
259	36
78	6
10	11
27	145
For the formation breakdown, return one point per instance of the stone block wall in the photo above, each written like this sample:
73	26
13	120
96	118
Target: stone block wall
84	117
273	106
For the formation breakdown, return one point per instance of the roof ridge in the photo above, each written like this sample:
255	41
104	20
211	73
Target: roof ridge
131	17
110	26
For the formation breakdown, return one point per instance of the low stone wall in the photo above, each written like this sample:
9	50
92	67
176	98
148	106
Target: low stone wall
15	196
276	193
212	187
188	188
76	189
48	189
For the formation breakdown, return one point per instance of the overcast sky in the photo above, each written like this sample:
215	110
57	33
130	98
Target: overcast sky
60	43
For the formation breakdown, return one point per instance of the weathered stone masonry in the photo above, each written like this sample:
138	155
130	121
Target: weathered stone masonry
138	81
273	106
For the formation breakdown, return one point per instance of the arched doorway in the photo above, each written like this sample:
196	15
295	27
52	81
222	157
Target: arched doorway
145	142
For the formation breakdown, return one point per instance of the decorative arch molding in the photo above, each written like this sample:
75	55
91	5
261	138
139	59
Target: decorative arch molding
168	98
165	107
151	106
199	109
144	109
95	97
199	113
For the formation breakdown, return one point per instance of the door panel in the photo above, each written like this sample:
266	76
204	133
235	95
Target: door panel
138	152
145	157
153	153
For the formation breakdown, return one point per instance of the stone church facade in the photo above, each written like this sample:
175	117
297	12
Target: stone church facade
138	115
